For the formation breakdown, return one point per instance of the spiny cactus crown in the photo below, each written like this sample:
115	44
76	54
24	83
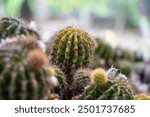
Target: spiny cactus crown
99	76
71	48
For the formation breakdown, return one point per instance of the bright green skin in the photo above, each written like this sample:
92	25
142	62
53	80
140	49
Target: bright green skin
112	90
10	27
71	50
18	80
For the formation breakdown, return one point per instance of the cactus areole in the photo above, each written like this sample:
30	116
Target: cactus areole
71	49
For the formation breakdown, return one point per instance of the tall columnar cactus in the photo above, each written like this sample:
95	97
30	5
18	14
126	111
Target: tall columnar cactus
23	74
71	50
112	89
10	27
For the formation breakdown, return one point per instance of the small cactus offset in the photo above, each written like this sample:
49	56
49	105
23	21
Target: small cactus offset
99	76
10	27
81	82
23	74
112	89
61	83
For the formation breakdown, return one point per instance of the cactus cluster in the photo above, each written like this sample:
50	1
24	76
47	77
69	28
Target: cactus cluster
26	72
110	55
22	72
10	27
111	89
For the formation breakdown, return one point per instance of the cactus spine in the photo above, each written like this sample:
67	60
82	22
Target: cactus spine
116	89
99	76
81	82
71	50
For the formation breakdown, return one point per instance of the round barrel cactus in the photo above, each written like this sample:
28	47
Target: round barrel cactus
99	76
110	89
71	49
22	73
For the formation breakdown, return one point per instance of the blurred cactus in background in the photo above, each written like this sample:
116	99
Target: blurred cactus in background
23	72
125	67
10	27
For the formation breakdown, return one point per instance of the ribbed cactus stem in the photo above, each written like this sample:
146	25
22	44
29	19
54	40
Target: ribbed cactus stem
19	77
71	50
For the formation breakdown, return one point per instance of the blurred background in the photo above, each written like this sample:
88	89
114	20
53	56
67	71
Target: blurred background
122	24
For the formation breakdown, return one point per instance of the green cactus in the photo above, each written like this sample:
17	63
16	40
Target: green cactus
71	50
22	73
127	55
60	77
99	76
81	82
110	89
123	54
104	50
10	27
125	67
